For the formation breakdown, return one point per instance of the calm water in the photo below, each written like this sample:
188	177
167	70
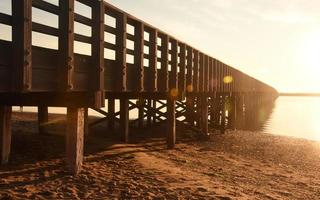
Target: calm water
296	117
291	116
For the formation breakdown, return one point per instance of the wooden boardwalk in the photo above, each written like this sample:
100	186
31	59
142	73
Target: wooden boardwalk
129	60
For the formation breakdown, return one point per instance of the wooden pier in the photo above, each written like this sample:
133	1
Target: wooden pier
166	79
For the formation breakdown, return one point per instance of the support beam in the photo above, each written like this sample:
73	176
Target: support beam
141	104
74	139
154	114
86	121
204	116
233	112
149	112
171	124
124	120
189	113
223	114
43	118
5	133
111	111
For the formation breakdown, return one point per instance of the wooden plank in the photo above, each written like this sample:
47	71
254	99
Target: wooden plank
21	37
45	6
74	139
121	39
85	20
189	81
182	68
66	46
171	124
124	120
40	28
43	118
5	19
139	55
5	133
97	69
153	38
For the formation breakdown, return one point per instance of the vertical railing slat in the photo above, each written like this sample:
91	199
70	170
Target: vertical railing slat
121	53
139	54
174	65
201	73
22	42
210	83
206	73
97	77
165	61
66	45
189	69
153	59
182	67
196	71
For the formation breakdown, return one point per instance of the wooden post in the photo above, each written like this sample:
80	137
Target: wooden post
43	118
154	114
171	124
74	139
232	113
204	116
149	112
223	114
5	133
86	122
111	111
141	105
124	120
239	112
189	110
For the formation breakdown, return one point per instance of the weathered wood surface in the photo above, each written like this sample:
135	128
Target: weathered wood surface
43	118
5	133
75	139
171	124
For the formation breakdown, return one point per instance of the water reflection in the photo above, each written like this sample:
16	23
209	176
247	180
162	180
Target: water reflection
295	117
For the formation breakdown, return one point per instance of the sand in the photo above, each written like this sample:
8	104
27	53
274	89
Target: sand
236	165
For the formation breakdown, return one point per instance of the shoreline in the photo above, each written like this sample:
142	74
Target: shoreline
236	165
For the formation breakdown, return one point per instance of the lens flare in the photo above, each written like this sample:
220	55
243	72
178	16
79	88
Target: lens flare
227	79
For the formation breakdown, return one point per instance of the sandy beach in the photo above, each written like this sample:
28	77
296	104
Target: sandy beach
236	165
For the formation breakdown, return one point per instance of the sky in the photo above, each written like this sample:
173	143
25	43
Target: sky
277	42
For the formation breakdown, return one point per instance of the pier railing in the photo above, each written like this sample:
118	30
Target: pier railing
126	55
94	51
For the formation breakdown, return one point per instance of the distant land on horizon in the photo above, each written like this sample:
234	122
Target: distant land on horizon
298	94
